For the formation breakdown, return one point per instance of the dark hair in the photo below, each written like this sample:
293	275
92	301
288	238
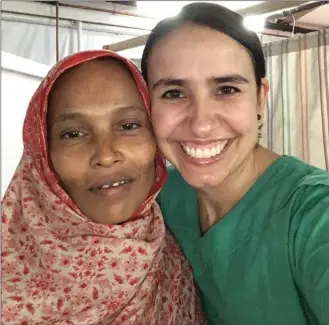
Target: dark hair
215	17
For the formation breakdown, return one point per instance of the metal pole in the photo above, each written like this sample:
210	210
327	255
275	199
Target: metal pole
57	32
79	35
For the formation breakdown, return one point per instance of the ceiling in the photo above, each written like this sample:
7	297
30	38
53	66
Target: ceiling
317	17
308	17
126	3
162	9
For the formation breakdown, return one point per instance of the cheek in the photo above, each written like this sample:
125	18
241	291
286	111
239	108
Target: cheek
242	117
70	167
165	120
141	153
241	123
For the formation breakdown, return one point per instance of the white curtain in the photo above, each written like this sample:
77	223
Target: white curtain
297	115
38	42
19	80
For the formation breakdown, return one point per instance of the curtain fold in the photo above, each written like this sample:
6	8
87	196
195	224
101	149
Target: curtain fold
297	112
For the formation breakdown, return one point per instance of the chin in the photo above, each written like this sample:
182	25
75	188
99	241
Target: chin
204	180
104	215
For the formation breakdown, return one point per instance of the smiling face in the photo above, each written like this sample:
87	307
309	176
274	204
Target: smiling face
204	103
100	139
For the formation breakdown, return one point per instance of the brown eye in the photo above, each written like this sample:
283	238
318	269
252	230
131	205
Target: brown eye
129	126
173	94
228	90
72	135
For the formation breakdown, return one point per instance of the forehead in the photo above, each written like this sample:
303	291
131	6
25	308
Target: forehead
194	50
104	79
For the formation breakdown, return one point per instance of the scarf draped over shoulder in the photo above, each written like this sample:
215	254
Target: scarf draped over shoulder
60	268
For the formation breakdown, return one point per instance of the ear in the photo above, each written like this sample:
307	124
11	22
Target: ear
262	96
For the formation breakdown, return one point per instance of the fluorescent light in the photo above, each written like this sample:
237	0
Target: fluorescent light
161	9
254	23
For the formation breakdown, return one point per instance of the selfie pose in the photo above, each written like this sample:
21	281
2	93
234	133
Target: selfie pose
253	224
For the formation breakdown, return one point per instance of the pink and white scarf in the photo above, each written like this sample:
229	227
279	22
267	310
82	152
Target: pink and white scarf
60	268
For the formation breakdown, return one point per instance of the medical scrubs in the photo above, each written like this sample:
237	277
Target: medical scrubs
267	261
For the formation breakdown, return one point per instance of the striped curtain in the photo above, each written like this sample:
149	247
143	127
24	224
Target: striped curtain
297	112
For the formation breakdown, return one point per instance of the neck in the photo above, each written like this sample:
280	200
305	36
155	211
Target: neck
215	203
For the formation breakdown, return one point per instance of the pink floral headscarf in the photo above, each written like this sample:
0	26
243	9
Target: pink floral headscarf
60	268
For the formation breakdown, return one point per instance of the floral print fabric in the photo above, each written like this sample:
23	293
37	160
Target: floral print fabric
60	268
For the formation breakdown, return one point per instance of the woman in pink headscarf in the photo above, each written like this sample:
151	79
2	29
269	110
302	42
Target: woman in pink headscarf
83	241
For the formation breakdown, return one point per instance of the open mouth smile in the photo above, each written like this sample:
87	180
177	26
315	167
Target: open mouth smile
204	152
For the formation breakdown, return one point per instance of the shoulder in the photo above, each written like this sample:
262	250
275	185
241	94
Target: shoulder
309	209
301	169
308	190
311	199
309	239
297	179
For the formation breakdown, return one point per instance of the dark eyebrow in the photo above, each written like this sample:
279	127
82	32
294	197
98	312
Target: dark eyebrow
67	117
169	82
80	116
234	78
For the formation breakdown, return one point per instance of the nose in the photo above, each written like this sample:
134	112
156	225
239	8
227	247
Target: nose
203	120
105	152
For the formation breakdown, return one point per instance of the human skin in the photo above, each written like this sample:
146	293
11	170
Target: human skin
100	134
205	108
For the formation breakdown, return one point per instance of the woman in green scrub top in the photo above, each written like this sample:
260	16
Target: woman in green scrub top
254	225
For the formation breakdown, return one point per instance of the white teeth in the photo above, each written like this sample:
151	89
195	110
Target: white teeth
204	152
113	185
199	153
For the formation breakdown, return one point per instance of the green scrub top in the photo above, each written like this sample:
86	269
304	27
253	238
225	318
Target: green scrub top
267	261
